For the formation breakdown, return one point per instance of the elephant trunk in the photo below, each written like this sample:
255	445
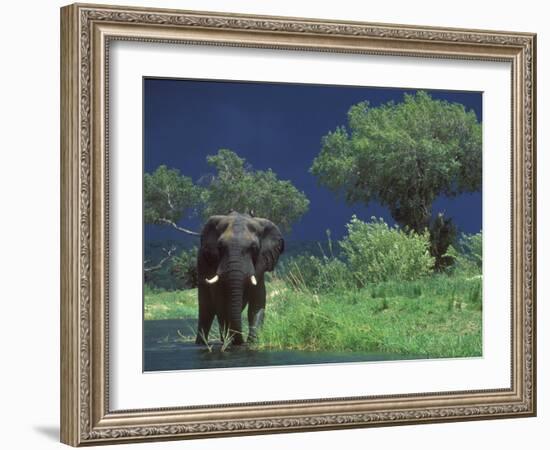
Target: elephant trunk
235	306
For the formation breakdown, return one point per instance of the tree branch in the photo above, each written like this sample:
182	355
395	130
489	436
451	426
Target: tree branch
174	225
170	204
168	256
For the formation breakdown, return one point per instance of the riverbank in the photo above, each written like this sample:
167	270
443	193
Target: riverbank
436	317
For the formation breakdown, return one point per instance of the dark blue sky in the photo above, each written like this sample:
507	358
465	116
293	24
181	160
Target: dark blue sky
277	126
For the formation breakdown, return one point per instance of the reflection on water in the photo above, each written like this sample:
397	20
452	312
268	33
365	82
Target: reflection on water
164	349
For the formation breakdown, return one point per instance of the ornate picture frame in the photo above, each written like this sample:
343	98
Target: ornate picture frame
87	31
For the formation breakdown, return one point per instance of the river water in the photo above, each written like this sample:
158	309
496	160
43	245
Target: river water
164	349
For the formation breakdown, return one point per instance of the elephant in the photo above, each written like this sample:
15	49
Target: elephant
235	252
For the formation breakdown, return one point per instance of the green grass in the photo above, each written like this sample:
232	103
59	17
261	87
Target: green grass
438	316
170	304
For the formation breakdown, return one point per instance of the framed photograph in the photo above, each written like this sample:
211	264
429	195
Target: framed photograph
278	224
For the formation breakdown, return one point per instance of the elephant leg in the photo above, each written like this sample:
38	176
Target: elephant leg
256	310
255	321
206	316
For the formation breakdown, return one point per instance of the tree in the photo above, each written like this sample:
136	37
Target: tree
238	187
169	196
404	155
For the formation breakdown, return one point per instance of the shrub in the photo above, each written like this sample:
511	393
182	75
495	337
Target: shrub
184	268
315	274
472	248
468	254
150	289
376	252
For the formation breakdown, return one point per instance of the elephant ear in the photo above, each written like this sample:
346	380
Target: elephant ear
272	245
209	239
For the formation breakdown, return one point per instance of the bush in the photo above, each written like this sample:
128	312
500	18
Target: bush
376	252
472	248
149	289
468	254
184	268
315	274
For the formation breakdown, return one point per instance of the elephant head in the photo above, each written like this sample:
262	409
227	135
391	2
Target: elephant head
236	250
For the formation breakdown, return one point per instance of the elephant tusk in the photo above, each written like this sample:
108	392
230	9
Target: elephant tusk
212	280
253	280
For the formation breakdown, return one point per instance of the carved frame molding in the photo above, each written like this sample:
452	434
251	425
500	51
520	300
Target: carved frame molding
86	31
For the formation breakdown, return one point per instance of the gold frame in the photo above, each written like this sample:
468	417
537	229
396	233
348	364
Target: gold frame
86	31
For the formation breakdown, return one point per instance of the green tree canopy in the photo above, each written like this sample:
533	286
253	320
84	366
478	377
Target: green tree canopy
237	186
403	155
171	197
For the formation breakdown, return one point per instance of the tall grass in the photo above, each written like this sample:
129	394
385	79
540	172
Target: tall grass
404	318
